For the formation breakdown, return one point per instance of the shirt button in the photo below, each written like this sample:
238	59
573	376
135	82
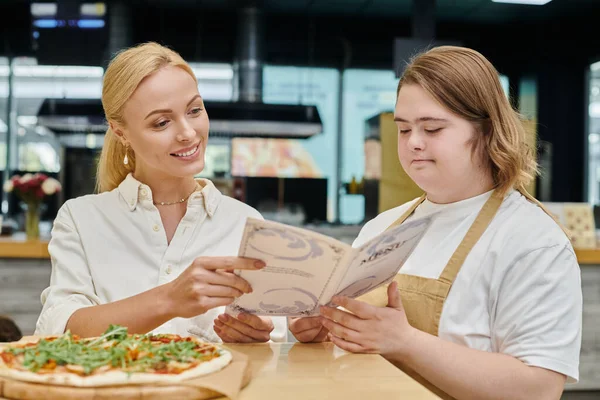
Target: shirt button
156	228
144	192
169	270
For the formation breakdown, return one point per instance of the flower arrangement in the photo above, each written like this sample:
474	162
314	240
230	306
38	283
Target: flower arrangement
32	188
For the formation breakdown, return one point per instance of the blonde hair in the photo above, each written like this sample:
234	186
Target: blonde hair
467	84
123	75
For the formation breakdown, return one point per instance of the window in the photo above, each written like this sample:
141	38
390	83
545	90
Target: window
309	86
215	81
366	94
3	111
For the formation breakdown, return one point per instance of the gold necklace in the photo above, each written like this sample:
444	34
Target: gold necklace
166	203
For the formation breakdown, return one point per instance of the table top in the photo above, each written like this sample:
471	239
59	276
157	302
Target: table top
322	370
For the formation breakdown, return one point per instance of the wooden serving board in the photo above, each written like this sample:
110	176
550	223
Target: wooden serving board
16	390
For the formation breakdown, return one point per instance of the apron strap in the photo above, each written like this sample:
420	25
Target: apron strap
482	221
540	205
408	212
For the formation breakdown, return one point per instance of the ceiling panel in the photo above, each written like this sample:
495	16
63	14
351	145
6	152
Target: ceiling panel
298	6
471	10
382	8
339	6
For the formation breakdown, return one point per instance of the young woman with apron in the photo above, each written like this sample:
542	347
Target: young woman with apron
489	304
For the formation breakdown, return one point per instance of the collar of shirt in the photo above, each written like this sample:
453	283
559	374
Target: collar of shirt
134	191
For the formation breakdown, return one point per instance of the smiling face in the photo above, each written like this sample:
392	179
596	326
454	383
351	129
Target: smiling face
435	146
166	125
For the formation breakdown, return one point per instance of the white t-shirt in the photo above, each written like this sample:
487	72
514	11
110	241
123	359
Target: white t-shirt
111	246
518	291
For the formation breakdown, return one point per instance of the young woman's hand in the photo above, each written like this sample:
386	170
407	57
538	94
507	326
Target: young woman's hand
364	328
308	329
207	283
245	328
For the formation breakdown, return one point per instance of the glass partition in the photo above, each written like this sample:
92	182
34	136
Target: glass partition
593	124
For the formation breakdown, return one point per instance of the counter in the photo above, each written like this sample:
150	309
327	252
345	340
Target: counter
16	247
19	247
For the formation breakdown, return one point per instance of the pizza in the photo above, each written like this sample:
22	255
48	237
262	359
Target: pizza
114	358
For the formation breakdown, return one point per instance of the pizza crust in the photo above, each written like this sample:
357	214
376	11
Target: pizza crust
116	378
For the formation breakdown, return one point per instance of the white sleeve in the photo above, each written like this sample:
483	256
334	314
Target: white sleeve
538	311
71	286
380	223
367	232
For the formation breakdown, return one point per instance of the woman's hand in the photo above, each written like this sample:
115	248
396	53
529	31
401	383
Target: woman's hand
208	283
245	328
308	329
369	329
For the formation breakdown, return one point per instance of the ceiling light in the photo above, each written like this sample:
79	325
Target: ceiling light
43	9
526	2
93	9
90	23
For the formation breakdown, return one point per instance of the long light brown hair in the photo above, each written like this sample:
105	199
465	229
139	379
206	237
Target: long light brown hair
123	75
466	83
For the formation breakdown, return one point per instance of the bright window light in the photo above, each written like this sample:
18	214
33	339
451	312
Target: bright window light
212	71
53	71
27	120
594	110
526	2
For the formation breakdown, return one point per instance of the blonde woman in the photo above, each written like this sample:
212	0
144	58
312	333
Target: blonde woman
155	250
489	305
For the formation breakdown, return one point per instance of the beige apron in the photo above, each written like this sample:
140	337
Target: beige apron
423	298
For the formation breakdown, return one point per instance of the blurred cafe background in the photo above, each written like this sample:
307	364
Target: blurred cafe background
300	95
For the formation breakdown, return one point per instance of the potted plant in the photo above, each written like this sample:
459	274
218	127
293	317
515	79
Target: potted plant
31	189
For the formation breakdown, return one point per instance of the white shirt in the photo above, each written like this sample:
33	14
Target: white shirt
519	290
111	246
